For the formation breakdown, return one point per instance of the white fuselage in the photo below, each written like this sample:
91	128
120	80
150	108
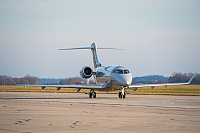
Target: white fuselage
118	76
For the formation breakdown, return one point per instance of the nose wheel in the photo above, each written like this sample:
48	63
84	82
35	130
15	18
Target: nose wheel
122	94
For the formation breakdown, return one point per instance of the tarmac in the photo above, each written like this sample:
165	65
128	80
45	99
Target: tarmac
30	112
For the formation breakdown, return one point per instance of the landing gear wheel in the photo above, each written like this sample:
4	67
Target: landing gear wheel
94	95
90	95
124	96
120	94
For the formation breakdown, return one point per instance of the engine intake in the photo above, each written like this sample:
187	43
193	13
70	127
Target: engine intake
86	72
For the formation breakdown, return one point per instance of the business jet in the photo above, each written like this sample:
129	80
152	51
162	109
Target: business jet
107	78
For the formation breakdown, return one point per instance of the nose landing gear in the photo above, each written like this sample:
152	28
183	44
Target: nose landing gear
122	94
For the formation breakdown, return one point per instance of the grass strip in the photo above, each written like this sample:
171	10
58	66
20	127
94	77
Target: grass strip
191	90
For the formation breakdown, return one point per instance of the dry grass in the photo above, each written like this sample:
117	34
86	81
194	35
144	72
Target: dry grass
170	90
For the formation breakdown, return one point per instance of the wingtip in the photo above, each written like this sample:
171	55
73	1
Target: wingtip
189	82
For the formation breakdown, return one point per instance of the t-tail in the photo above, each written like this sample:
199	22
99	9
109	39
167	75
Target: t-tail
95	56
93	48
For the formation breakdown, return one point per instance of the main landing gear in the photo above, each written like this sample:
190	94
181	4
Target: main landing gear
92	93
122	94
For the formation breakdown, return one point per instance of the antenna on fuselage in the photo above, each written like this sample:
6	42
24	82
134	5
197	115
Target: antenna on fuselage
93	48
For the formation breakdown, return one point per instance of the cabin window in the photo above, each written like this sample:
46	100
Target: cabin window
100	74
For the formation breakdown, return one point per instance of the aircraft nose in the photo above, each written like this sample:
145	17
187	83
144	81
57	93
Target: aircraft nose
124	80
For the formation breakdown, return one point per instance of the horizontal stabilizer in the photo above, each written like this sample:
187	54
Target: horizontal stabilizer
88	47
93	48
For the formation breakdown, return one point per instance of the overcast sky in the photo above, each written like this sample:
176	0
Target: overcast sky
157	36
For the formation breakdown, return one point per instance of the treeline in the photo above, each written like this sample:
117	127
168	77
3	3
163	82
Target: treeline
184	77
150	79
175	78
6	80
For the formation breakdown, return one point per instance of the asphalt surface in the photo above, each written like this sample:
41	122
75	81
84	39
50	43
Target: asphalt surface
75	112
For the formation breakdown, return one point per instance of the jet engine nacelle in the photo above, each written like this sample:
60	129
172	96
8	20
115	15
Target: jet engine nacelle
86	72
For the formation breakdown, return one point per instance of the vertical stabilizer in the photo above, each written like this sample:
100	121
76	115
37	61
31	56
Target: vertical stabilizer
94	54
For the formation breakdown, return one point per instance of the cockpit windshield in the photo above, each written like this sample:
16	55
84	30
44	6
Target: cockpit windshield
126	71
120	71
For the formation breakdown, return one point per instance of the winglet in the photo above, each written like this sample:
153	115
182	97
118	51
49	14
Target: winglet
191	78
11	80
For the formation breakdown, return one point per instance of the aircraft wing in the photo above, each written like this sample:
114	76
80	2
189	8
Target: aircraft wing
165	84
78	87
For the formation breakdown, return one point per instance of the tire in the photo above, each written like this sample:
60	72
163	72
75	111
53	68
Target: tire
120	94
90	95
94	95
124	96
